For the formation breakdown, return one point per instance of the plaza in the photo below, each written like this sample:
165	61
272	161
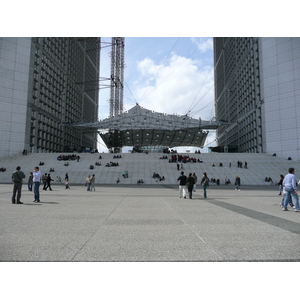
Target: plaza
133	223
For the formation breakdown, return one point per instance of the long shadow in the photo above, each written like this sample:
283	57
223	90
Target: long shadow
40	203
263	217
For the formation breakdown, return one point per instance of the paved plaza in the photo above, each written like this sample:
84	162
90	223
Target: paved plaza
141	223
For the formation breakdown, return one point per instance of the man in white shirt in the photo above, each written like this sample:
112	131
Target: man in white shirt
289	182
37	176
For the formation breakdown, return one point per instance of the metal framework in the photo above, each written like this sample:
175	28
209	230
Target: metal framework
142	127
117	76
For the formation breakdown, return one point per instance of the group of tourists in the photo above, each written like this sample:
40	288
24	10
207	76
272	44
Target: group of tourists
187	184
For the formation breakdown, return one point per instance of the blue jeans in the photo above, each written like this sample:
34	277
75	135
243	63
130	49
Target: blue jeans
290	192
290	201
36	191
29	185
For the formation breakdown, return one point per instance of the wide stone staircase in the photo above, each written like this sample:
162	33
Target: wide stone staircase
142	166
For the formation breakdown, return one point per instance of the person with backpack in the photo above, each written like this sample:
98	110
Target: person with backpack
205	183
190	184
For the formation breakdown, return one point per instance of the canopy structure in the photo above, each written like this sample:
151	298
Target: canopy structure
142	127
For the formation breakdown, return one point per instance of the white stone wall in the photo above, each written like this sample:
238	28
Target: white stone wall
14	77
280	87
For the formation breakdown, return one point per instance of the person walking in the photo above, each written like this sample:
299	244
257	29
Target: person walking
48	181
88	183
37	177
44	180
195	179
280	184
17	178
67	184
182	185
93	183
290	200
67	181
205	183
290	185
30	182
237	183
190	181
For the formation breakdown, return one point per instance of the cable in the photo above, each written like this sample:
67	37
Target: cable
160	68
130	93
191	106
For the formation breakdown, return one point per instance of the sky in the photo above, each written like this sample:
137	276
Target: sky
171	75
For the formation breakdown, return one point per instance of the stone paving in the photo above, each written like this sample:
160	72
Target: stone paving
141	223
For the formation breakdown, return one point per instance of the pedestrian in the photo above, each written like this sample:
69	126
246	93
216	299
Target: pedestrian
93	183
195	178
182	185
290	185
88	183
205	183
48	181
67	181
37	177
190	181
280	184
17	178
237	183
290	201
30	182
44	179
67	184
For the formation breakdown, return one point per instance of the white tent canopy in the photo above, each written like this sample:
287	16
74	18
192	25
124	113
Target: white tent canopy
142	127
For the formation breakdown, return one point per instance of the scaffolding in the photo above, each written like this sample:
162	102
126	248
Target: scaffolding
116	76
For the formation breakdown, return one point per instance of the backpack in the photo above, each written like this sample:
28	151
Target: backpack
206	182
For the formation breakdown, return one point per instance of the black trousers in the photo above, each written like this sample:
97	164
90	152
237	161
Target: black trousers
190	190
16	191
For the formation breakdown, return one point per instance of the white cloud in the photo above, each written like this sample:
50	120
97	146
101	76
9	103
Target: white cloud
204	44
179	86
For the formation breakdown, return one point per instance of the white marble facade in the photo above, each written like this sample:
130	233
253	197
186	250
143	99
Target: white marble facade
280	87
14	83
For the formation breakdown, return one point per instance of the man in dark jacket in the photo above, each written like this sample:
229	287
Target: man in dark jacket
48	182
182	185
17	178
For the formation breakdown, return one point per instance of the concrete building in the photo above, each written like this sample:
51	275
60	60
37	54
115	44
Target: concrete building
257	89
44	83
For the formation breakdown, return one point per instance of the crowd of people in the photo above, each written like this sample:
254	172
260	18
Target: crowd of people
187	183
175	158
68	157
